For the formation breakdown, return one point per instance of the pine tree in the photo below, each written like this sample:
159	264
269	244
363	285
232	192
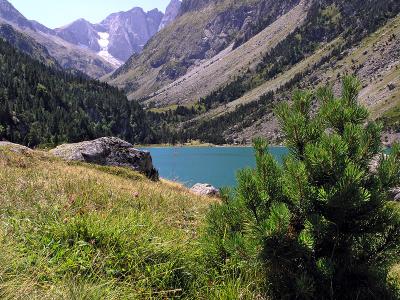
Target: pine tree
323	224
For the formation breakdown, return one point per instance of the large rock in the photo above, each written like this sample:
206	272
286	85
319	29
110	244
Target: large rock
109	151
203	189
15	147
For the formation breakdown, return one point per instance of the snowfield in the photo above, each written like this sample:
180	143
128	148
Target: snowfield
104	41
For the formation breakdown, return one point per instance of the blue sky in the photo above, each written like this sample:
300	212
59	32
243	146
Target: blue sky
56	13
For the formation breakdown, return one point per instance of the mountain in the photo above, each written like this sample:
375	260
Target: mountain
117	37
202	30
129	31
80	33
68	56
46	105
171	13
217	72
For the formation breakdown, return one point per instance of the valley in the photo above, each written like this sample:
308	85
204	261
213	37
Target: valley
220	149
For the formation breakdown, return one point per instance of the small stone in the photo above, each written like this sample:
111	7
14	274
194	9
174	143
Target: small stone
391	86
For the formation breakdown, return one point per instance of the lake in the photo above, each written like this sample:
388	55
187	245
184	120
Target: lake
213	165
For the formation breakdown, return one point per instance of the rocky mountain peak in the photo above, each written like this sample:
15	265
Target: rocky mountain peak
129	31
171	13
81	33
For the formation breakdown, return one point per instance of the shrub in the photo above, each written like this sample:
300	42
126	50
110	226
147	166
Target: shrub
323	224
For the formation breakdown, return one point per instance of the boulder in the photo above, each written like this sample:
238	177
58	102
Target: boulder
203	189
109	151
15	147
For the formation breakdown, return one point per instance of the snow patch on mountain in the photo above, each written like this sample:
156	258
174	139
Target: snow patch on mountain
104	41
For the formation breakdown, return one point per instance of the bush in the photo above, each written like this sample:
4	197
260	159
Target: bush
323	225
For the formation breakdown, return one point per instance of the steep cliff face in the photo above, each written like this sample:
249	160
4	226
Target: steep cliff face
171	13
202	30
129	31
80	33
117	37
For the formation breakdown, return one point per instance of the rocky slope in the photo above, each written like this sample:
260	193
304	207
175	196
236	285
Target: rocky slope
171	13
9	13
80	33
374	60
211	74
202	31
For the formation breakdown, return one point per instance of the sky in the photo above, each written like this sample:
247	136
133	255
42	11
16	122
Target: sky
57	13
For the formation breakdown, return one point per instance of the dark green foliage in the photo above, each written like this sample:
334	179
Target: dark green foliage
27	45
41	105
323	224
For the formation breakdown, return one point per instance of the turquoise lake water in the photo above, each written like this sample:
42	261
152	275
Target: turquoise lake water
213	165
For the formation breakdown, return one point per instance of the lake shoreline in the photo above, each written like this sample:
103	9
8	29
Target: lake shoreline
215	165
160	146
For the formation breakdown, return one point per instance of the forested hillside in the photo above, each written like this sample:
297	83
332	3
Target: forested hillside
42	105
27	45
336	38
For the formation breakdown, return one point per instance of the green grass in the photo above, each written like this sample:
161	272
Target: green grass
391	118
75	231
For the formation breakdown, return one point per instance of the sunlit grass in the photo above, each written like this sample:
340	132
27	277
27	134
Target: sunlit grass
76	231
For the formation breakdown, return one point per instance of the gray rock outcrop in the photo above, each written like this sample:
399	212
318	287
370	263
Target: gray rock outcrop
109	151
203	189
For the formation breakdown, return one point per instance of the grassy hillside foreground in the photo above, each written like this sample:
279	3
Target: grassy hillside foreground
75	231
78	231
